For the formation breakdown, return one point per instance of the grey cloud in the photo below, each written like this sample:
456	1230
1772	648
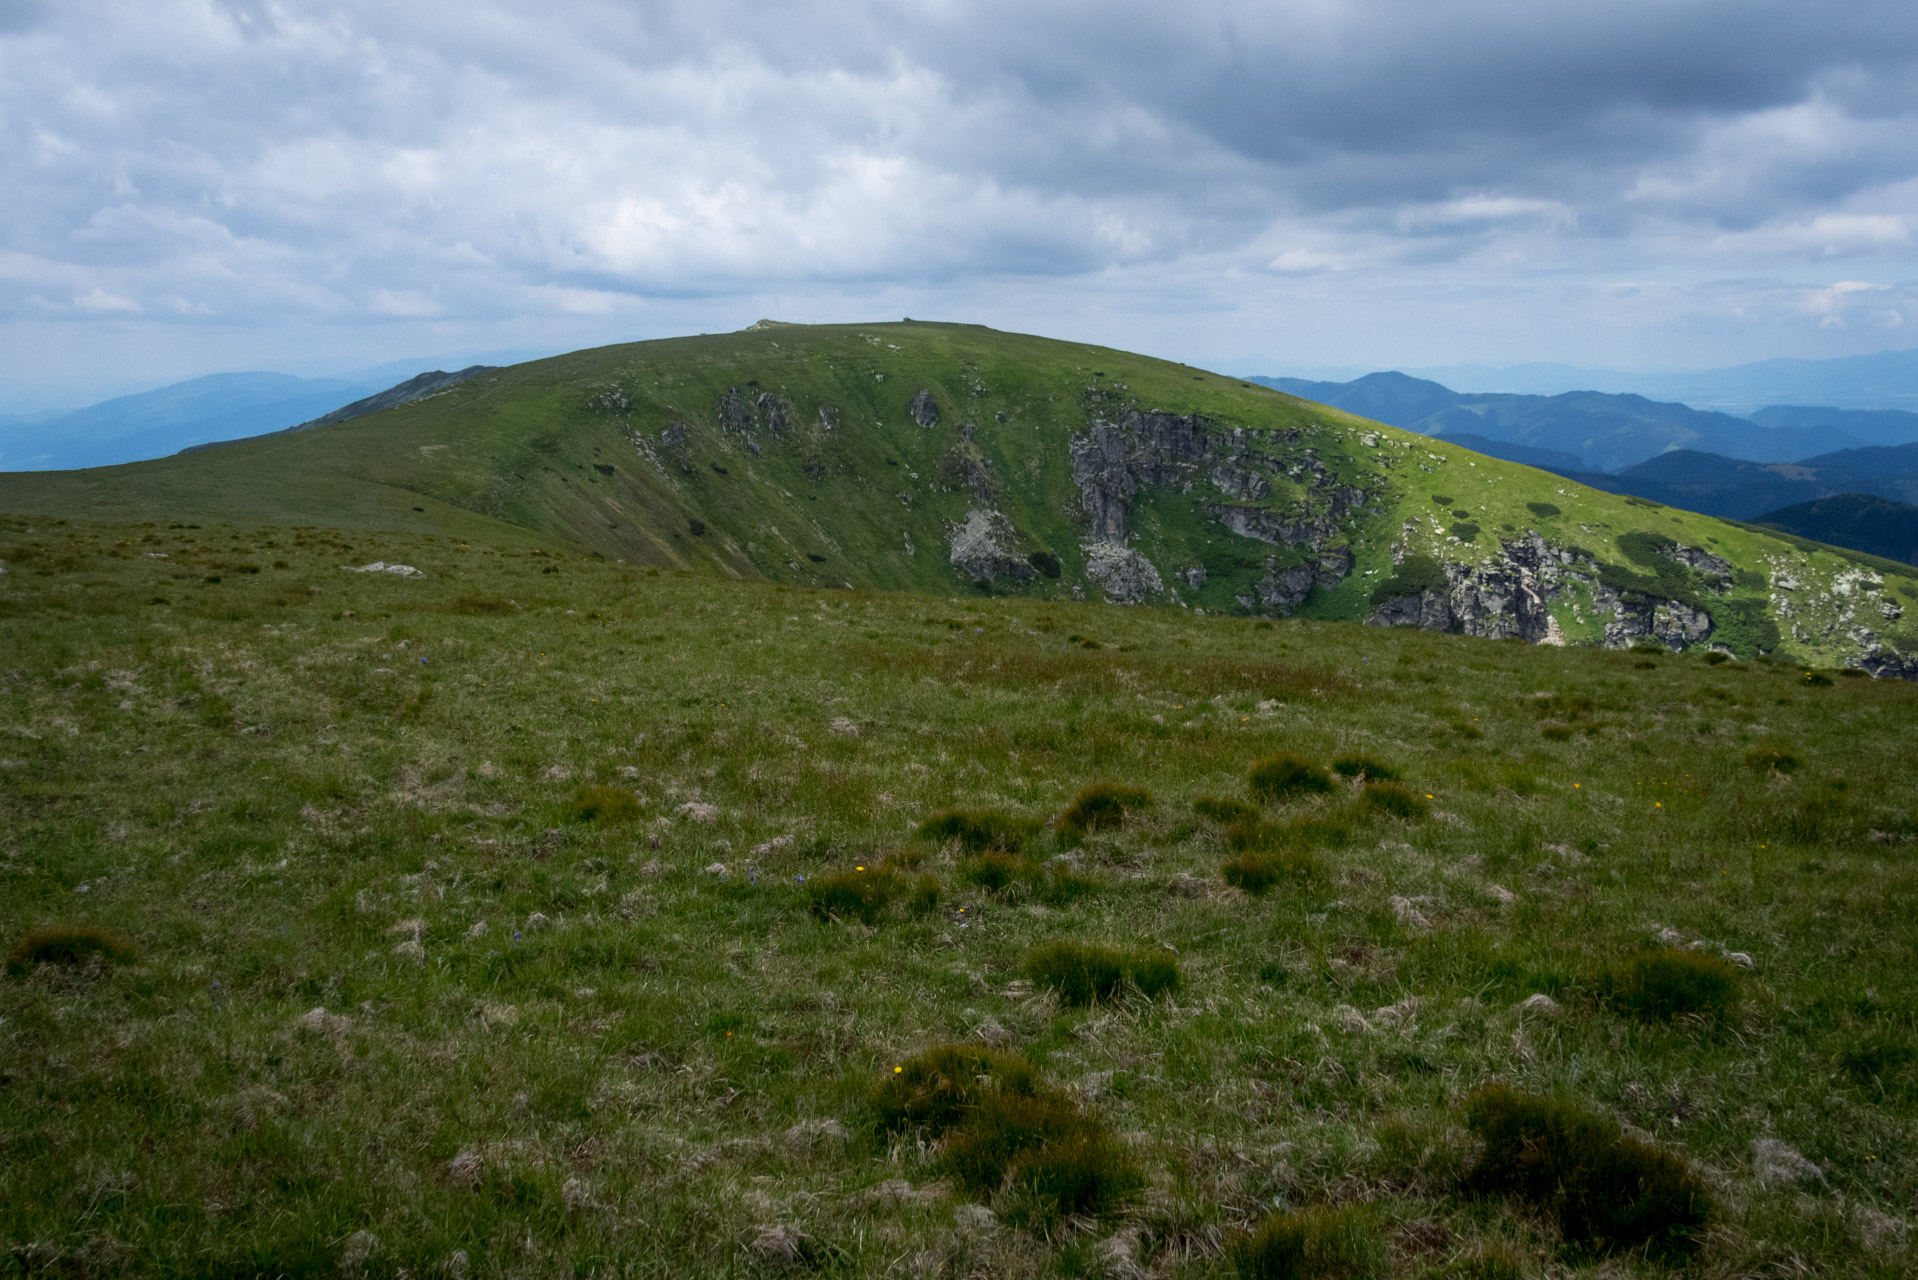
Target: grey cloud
255	161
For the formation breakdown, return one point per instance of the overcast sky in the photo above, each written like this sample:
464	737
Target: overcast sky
197	185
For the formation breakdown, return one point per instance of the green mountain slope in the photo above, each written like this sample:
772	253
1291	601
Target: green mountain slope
933	457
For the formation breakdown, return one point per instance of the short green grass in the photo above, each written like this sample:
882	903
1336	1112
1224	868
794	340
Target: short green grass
406	987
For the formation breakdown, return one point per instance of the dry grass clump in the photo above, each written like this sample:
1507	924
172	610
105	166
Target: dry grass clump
978	830
859	894
68	944
607	806
1315	1243
1006	1131
1666	983
1283	777
1100	807
1226	809
1606	1189
1390	798
1081	973
1362	766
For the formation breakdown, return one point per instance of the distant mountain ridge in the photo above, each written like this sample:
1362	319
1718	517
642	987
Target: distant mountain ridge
1603	431
1876	526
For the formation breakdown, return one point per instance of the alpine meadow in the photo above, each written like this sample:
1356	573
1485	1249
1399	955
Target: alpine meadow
913	800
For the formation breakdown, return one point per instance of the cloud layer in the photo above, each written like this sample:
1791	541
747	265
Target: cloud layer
1488	179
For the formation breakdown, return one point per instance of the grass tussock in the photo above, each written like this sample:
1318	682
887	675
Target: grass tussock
860	894
1005	1132
1083	974
608	806
978	830
1772	759
1391	799
1226	809
1606	1188
1666	983
68	944
1364	767
1315	1243
1260	873
1279	778
1103	806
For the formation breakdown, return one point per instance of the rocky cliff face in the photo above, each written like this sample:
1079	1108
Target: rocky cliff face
1133	451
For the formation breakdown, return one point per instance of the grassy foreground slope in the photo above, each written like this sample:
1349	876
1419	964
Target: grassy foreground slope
464	933
949	457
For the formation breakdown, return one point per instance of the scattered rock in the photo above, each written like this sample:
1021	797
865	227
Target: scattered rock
1775	1164
992	1032
380	566
1187	885
775	845
974	1215
537	920
1741	959
356	1251
925	410
1350	1019
653	867
699	812
1878	1232
320	1022
577	1195
812	1135
463	1170
717	869
1540	1005
1409	914
1500	894
842	724
1123	574
778	1243
1393	1014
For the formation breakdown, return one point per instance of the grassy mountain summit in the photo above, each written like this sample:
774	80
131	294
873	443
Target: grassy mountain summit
939	457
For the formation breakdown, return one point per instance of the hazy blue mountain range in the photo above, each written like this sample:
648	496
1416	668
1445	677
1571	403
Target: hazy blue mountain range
1886	380
221	406
1602	431
152	424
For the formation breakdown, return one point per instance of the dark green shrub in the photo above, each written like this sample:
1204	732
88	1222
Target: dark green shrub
1414	574
68	944
925	896
1391	798
937	1089
994	871
1059	885
1005	1129
978	829
1715	656
1045	562
1442	499
1465	531
1224	809
1101	806
1667	983
1818	678
1879	1058
1357	766
1316	1243
1772	760
855	895
1606	1189
1255	874
1543	510
1260	873
608	806
1285	777
1081	973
